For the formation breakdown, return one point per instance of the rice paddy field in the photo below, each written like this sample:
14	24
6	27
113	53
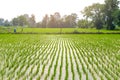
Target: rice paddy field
60	57
54	30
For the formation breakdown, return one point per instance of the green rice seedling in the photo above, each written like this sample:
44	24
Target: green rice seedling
43	59
55	66
24	78
61	65
38	67
42	70
87	78
38	78
22	65
96	51
83	68
31	78
50	65
66	67
94	76
108	77
77	65
101	77
72	69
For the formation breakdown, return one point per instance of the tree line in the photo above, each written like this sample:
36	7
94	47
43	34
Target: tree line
97	16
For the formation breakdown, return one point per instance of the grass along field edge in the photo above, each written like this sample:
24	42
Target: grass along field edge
20	30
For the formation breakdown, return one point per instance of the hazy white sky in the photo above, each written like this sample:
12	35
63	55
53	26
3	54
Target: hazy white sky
12	8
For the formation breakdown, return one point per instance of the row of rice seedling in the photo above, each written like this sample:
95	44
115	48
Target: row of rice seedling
61	61
59	57
73	65
50	68
109	73
17	62
76	60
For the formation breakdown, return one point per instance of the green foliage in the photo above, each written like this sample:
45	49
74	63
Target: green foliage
45	21
110	7
31	21
19	21
116	15
95	13
103	14
84	23
1	21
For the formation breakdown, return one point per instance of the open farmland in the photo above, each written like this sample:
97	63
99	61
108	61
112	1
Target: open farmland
59	57
54	30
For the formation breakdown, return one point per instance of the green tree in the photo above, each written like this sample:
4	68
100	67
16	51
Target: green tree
95	14
57	17
45	21
110	7
70	20
39	24
15	22
22	20
7	23
19	21
83	23
52	22
1	21
73	19
116	15
32	22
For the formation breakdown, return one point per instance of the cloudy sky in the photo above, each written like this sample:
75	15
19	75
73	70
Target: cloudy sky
12	8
